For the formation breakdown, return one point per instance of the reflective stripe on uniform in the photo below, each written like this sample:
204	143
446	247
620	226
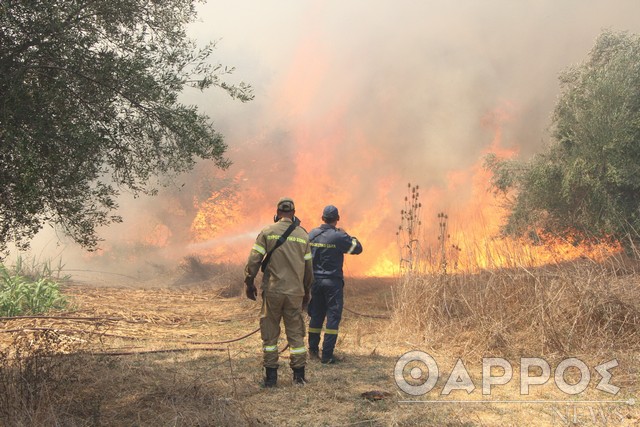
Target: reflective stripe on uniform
307	256
315	330
322	245
331	331
290	238
298	350
270	348
354	243
259	249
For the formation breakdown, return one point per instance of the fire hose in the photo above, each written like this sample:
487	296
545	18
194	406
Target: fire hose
373	316
240	339
247	335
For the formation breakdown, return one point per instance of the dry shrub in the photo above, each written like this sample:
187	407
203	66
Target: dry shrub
575	307
193	269
33	377
47	380
227	278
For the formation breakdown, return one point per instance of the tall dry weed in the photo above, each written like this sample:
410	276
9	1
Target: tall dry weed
48	380
574	307
34	380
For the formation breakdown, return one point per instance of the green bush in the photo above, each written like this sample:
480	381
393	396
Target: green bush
20	295
585	185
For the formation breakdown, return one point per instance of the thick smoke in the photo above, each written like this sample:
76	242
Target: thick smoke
355	99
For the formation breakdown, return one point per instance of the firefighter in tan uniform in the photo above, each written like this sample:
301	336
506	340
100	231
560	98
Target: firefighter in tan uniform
286	282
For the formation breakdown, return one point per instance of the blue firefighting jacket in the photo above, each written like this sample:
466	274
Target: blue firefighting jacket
328	246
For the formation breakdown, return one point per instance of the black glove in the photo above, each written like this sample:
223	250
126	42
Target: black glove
251	290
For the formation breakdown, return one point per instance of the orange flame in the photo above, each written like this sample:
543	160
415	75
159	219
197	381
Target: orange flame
320	152
227	222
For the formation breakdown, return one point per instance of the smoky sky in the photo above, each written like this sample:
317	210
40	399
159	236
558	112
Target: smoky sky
408	82
353	99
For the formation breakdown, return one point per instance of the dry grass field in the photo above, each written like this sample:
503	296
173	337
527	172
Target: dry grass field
155	353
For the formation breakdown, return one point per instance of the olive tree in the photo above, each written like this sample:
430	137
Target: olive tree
89	107
586	183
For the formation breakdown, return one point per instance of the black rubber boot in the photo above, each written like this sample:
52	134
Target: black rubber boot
330	360
298	376
271	378
314	354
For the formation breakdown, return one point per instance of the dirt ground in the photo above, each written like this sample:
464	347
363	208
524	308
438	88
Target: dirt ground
155	354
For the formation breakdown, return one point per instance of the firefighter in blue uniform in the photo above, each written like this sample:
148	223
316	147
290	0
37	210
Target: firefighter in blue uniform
328	246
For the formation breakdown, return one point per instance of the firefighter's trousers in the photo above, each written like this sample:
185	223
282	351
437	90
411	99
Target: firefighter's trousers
327	300
276	307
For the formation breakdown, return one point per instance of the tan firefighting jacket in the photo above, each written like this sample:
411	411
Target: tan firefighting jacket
290	269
